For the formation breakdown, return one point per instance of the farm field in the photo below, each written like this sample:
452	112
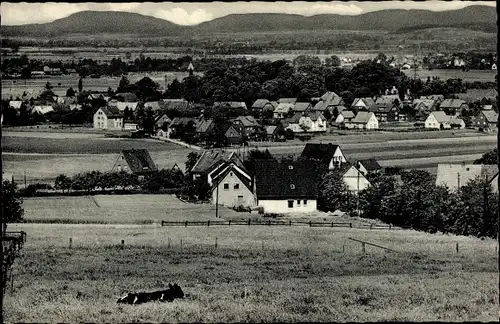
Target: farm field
443	74
289	275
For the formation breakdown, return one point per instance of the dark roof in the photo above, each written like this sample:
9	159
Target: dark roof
174	104
139	161
111	112
282	180
177	121
260	103
452	103
209	159
382	107
247	121
231	104
301	106
231	168
204	126
370	164
287	100
322	153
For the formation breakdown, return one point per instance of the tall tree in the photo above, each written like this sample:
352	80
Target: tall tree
80	85
12	210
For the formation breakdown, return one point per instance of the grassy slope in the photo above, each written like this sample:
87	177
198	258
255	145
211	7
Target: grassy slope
301	275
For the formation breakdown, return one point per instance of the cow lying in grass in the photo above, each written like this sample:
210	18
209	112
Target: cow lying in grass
173	292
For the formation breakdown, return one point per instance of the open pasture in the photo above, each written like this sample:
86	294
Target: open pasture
256	274
443	74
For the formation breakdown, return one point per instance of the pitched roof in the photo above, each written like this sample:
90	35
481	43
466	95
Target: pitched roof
384	107
43	109
204	126
433	97
123	105
260	103
452	103
233	134
287	100
314	115
386	99
490	115
139	160
270	129
329	99
224	170
473	95
16	104
154	105
322	153
347	114
247	121
295	118
301	106
174	104
370	164
362	117
111	112
283	108
178	121
210	158
367	100
451	174
285	180
231	104
428	103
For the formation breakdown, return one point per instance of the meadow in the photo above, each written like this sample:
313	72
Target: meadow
256	274
444	74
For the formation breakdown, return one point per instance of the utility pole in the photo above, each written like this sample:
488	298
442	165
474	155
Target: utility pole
357	195
217	202
458	180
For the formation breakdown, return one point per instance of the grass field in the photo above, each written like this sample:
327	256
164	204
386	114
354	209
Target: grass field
289	274
469	76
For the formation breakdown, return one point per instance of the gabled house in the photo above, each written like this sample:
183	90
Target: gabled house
353	178
132	106
313	121
424	105
287	100
439	120
363	104
363	120
153	105
180	123
369	166
210	160
487	119
236	107
273	133
344	116
179	105
293	123
328	101
247	123
162	119
108	118
204	127
301	107
282	110
136	161
233	136
453	106
328	156
286	187
385	111
455	176
232	186
259	104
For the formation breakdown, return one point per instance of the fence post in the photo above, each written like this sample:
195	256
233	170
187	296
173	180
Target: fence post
168	245
290	223
371	226
350	225
390	226
162	223
186	224
208	224
249	222
70	242
181	246
363	247
215	243
229	223
123	244
457	247
269	223
343	248
310	224
262	245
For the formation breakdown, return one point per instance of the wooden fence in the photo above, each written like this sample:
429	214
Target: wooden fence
12	243
258	222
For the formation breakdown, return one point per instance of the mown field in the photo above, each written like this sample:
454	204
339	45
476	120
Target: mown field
443	74
288	274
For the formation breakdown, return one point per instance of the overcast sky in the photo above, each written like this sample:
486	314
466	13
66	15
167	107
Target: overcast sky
194	13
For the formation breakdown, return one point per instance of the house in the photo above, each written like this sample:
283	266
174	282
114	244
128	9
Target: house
363	104
282	110
210	160
313	121
369	166
259	104
285	187
353	178
233	136
273	133
162	119
487	119
344	116
180	105
136	161
204	127
246	123
232	186
287	100
301	107
424	105
363	120
455	176
237	107
453	106
181	123
108	118
439	120
293	123
15	104
43	109
121	106
328	101
385	110
329	155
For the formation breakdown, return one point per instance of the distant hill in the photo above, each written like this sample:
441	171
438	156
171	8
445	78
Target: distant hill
394	20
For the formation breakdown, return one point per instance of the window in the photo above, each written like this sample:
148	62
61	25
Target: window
298	202
305	202
226	186
231	174
240	199
290	204
236	186
292	186
290	167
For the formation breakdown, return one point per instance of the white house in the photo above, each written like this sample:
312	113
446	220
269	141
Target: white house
286	186
354	179
439	120
108	118
363	103
313	122
16	104
344	116
231	186
282	110
363	120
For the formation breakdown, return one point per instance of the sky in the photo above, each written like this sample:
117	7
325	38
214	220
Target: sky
190	13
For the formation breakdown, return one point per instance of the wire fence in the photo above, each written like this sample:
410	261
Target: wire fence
258	222
12	243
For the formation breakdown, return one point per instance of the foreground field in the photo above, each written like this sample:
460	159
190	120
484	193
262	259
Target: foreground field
288	274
